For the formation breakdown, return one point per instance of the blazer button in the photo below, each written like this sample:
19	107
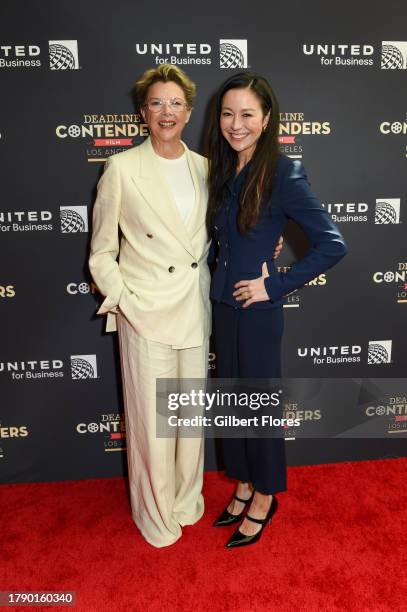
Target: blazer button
149	235
194	265
171	269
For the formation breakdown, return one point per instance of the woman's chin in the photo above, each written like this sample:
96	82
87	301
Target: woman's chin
237	145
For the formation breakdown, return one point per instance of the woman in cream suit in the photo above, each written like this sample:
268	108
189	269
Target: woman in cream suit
157	294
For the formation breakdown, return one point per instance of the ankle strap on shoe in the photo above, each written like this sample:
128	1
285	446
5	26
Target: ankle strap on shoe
258	521
243	501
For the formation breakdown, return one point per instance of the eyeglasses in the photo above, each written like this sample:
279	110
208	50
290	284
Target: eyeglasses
156	104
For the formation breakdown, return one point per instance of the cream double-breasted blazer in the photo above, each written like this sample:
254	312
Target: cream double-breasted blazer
157	273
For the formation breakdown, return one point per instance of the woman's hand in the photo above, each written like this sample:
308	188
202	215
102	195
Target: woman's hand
252	290
278	248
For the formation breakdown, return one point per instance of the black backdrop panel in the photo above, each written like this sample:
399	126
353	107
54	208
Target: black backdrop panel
66	72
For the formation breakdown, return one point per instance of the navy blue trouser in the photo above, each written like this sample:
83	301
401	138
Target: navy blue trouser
248	345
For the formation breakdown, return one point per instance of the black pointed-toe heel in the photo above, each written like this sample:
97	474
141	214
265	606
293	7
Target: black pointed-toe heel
226	518
240	539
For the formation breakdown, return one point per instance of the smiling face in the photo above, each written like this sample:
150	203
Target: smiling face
242	121
166	125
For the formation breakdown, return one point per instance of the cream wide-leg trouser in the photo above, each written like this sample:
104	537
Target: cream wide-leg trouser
165	474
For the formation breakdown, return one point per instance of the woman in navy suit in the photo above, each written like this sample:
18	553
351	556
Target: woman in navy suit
253	191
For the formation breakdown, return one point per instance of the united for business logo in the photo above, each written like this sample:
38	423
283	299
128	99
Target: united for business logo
233	53
180	53
387	211
25	220
63	55
379	351
83	367
74	219
19	56
394	55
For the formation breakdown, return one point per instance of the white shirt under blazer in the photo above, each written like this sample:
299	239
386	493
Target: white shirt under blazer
178	176
161	279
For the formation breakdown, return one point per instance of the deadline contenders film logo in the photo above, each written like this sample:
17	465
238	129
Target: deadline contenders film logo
81	288
7	291
395	128
104	135
294	410
11	432
394	407
386	211
392	55
293	128
378	352
82	367
391	278
111	428
62	55
294	299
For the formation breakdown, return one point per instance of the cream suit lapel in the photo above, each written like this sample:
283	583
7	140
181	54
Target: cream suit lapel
159	197
198	214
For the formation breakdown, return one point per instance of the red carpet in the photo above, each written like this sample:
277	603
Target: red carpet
337	542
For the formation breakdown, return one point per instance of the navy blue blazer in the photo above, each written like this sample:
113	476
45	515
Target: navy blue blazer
240	256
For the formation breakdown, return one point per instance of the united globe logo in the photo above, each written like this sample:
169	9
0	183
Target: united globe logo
233	53
230	56
63	55
394	55
83	367
71	222
379	351
60	58
74	219
387	211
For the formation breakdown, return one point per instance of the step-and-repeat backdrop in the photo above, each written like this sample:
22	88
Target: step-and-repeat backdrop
66	74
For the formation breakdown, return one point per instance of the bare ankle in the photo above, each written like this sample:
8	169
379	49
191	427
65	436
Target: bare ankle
262	501
244	487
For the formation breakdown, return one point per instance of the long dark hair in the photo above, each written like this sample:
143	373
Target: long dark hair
223	159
